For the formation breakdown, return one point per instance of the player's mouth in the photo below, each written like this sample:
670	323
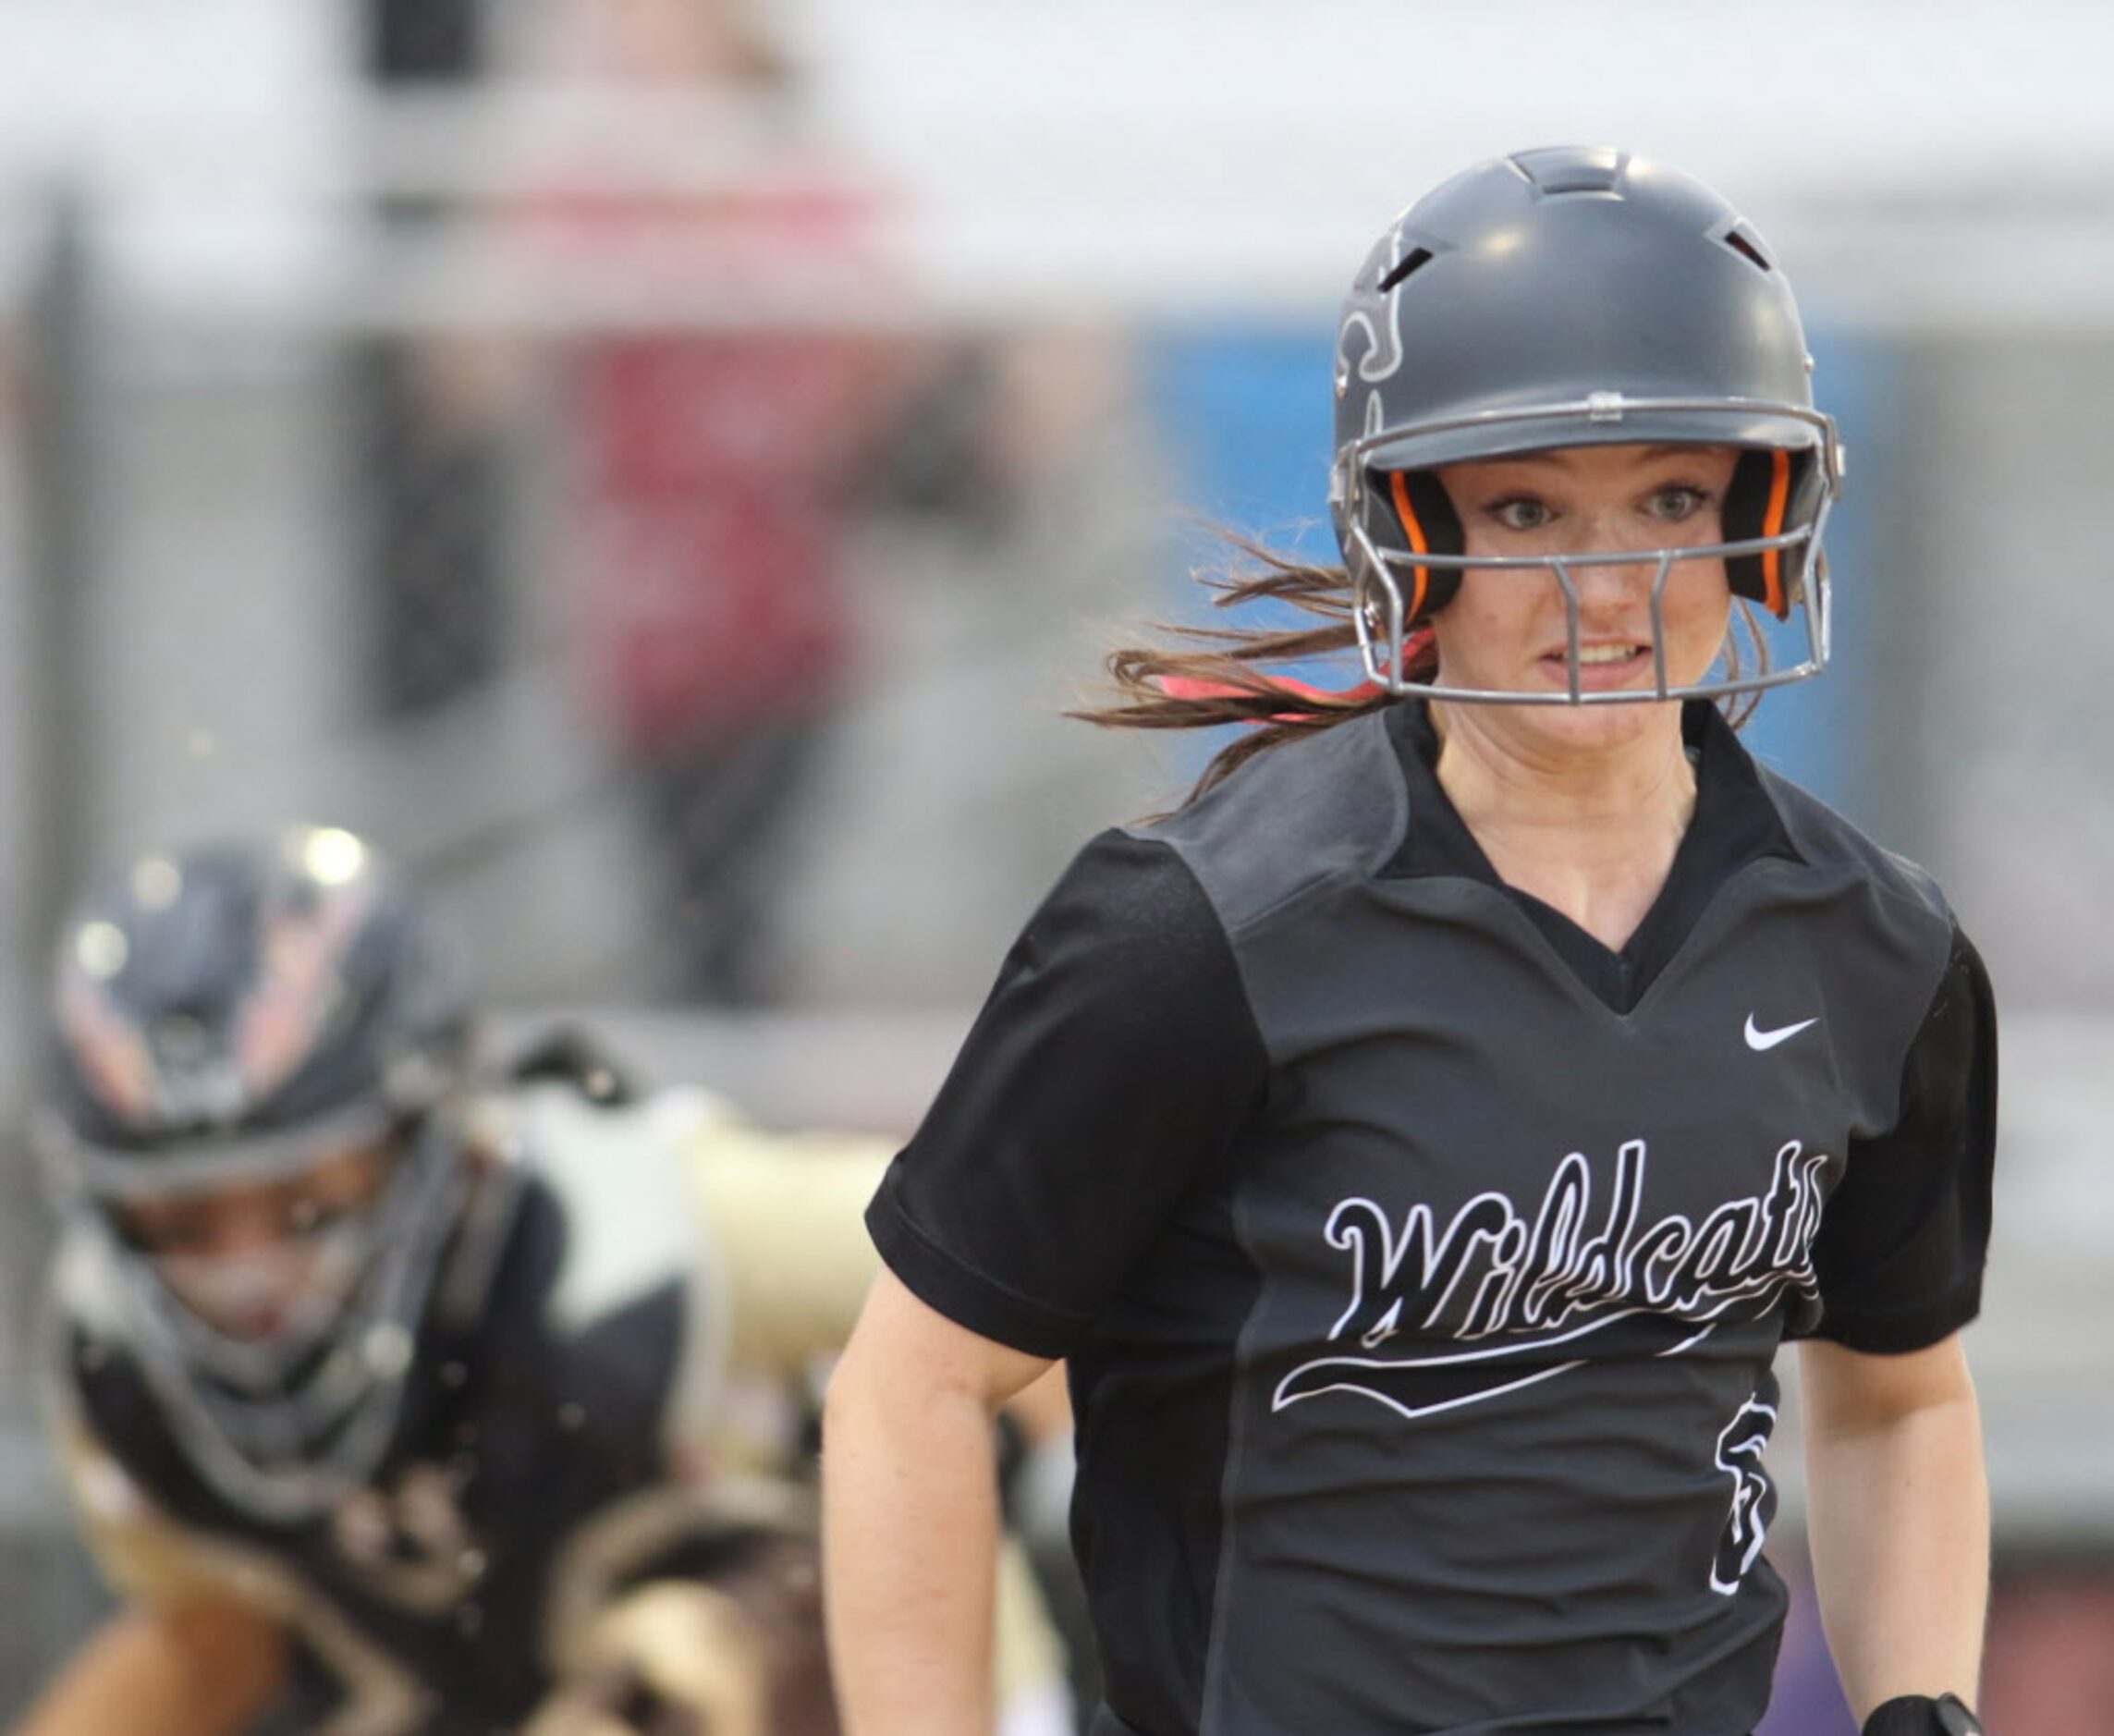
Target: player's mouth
1606	665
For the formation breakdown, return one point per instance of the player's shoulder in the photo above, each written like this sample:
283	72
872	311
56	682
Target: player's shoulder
569	1110
1828	840
1318	812
615	1165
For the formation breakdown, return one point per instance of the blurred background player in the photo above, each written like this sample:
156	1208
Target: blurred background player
725	432
721	464
403	1405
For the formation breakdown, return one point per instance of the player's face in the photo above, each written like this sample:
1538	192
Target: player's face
249	1259
1508	630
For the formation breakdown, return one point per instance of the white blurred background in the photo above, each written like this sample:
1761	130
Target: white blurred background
362	363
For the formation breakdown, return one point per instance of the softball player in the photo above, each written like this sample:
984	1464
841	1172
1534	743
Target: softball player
1419	1145
413	1405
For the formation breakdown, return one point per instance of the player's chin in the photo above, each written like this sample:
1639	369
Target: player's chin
1599	724
1605	721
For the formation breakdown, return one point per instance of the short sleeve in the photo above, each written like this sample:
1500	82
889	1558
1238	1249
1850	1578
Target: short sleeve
1105	1076
1905	1237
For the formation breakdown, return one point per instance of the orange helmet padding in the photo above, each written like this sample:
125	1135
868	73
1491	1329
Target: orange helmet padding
1430	526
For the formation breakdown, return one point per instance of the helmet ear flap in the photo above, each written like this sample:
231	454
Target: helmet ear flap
1771	491
1429	526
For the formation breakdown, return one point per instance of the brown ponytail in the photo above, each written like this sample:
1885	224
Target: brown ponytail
1225	681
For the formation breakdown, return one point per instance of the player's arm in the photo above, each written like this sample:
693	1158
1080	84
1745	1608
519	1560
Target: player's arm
910	1516
203	1666
1899	1505
1899	1517
186	1655
1106	1079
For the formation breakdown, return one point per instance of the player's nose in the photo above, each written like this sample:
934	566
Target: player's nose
1610	572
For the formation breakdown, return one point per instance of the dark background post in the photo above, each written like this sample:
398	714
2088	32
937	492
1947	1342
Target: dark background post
425	487
52	1594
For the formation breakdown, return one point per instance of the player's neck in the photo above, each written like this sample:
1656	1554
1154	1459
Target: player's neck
1588	822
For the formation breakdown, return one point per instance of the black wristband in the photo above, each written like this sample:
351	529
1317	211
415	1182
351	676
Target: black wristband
1918	1715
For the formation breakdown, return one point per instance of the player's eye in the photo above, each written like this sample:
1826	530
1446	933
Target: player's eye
1676	503
162	1230
1522	512
310	1216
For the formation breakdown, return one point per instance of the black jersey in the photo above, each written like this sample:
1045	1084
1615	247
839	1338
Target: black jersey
1421	1262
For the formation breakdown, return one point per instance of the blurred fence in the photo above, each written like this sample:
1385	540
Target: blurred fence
413	534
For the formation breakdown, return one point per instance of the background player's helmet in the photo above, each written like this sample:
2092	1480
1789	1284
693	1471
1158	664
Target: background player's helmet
1573	297
225	1024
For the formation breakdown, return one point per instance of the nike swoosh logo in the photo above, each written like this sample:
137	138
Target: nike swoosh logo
1759	1039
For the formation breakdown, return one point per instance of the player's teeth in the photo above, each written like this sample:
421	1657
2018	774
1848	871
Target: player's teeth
1605	654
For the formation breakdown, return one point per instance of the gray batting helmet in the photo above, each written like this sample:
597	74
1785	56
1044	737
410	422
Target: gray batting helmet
227	1018
1573	297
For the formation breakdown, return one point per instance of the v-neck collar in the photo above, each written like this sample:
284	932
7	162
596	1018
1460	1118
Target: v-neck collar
1734	823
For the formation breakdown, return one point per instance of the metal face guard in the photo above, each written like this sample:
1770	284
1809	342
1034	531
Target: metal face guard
1382	624
1381	617
284	1431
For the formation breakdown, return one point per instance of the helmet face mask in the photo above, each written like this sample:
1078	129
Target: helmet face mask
1564	299
254	1122
283	1297
269	1263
